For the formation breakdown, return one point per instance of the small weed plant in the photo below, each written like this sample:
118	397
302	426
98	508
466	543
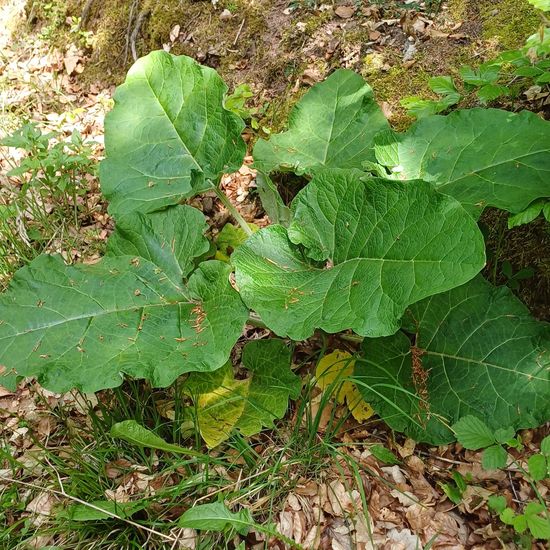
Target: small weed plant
45	189
534	521
510	74
381	246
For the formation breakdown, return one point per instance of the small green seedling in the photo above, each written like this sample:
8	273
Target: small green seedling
474	434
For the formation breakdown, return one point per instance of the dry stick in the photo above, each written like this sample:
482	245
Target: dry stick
239	33
84	14
139	21
129	29
87	504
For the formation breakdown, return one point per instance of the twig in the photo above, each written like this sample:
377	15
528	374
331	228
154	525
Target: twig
139	21
513	487
239	32
89	505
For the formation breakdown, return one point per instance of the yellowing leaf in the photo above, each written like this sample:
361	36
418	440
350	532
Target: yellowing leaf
220	409
358	407
224	403
333	371
230	238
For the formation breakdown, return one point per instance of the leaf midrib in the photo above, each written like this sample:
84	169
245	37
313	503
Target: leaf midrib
90	316
174	125
483	363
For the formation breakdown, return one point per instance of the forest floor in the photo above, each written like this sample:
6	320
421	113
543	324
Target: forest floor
313	476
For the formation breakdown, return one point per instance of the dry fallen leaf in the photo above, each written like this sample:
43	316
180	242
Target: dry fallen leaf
174	33
345	12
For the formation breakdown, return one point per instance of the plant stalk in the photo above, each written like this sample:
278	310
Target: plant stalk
234	212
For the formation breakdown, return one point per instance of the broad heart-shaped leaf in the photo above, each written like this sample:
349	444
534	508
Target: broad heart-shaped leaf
332	126
84	326
171	239
374	247
225	403
481	157
168	136
474	350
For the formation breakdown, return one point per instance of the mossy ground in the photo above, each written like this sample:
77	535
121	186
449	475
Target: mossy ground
509	21
261	46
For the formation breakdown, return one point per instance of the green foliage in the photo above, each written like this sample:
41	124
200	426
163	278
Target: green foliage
126	314
216	517
474	434
229	239
386	245
543	5
514	278
456	489
169	136
224	403
332	126
236	103
383	454
442	85
44	188
353	251
272	202
135	434
506	75
530	213
102	509
463	156
535	518
475	351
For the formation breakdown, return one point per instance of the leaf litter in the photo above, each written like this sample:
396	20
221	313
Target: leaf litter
375	506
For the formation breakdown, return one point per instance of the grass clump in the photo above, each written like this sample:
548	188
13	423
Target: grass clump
79	463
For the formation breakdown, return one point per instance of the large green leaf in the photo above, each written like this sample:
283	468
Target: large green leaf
225	403
374	247
474	350
543	5
481	157
332	126
169	136
172	239
84	326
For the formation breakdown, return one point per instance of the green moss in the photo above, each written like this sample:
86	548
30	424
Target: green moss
316	21
510	21
112	55
393	85
458	9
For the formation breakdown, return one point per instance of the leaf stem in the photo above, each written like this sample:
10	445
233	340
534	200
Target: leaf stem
255	320
234	212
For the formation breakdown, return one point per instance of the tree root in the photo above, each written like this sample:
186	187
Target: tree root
85	14
139	21
129	29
